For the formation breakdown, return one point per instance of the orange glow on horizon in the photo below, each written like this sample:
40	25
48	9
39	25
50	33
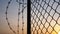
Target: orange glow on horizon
59	32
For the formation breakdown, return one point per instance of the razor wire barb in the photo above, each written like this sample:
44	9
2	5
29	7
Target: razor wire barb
45	16
7	17
19	12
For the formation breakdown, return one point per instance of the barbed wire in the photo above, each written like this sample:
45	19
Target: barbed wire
22	18
18	19
7	17
19	12
41	12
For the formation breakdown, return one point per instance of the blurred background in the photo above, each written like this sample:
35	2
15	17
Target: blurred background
45	16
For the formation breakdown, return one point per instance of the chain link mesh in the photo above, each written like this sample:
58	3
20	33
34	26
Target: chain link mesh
45	16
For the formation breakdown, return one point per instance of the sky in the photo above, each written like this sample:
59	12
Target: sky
12	16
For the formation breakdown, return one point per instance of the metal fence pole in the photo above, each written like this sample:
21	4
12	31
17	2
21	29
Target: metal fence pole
28	17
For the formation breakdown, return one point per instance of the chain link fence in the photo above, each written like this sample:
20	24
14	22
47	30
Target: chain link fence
45	16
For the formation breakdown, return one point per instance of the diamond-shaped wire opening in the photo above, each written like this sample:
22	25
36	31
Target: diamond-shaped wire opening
46	16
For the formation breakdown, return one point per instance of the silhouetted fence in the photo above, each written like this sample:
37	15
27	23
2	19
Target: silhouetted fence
43	16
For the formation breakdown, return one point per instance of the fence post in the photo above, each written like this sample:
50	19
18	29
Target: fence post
28	17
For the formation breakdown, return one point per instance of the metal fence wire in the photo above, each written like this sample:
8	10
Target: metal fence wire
45	16
22	6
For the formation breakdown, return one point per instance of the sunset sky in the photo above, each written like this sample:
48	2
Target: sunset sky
13	17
